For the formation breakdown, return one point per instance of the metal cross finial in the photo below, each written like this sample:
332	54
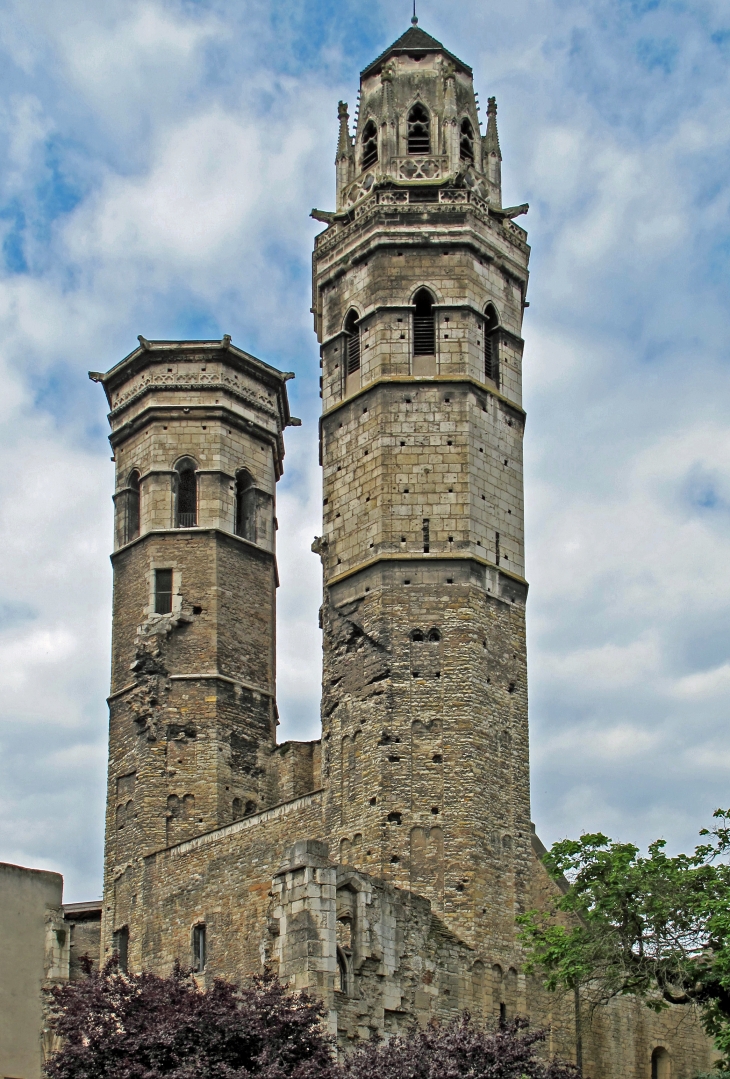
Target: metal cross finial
414	20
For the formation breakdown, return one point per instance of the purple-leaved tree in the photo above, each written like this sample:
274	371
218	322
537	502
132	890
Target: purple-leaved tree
458	1050
140	1026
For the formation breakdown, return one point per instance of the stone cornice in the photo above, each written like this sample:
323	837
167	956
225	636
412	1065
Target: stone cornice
426	560
440	380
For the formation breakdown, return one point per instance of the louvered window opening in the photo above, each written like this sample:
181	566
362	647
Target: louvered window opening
352	343
424	331
419	131
353	353
466	145
369	145
491	344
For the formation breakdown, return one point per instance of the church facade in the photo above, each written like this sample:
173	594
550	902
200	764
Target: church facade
382	865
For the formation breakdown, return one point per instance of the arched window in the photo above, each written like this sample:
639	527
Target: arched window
498	1004
491	343
342	979
661	1064
245	506
466	144
419	130
417	635
199	948
434	635
369	144
353	342
120	945
424	335
131	523
186	506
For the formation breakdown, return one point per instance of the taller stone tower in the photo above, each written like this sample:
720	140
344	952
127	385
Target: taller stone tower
419	290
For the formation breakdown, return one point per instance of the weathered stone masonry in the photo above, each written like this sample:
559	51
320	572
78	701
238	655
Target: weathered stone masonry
383	866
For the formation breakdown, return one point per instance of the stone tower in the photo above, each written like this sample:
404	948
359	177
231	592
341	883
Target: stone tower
419	290
197	440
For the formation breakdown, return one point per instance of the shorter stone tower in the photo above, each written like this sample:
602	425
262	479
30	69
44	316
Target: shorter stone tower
197	440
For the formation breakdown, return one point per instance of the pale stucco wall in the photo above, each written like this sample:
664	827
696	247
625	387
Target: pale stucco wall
28	897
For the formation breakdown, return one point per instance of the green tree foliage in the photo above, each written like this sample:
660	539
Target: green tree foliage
653	926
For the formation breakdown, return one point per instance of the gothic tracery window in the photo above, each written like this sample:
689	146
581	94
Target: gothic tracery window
466	142
419	130
369	144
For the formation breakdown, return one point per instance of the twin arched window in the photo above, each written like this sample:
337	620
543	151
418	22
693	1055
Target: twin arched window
186	494
369	144
491	342
418	130
424	330
466	142
352	343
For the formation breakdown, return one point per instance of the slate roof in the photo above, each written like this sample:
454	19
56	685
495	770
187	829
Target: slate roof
415	40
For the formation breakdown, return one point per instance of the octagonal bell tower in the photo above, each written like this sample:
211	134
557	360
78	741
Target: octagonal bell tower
197	436
419	289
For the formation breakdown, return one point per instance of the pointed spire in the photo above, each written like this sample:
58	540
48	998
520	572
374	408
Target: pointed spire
414	20
344	142
491	139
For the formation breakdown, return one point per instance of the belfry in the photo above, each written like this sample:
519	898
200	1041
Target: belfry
381	866
419	289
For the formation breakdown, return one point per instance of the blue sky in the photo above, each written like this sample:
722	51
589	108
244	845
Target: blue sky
158	162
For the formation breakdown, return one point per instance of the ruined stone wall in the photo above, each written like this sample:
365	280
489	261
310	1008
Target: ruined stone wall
425	741
193	726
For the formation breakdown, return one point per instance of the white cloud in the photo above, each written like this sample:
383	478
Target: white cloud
195	142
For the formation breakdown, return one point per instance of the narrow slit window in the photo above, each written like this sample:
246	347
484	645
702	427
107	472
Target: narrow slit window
163	591
426	535
199	949
369	145
424	335
466	144
186	509
491	343
352	331
120	945
419	131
